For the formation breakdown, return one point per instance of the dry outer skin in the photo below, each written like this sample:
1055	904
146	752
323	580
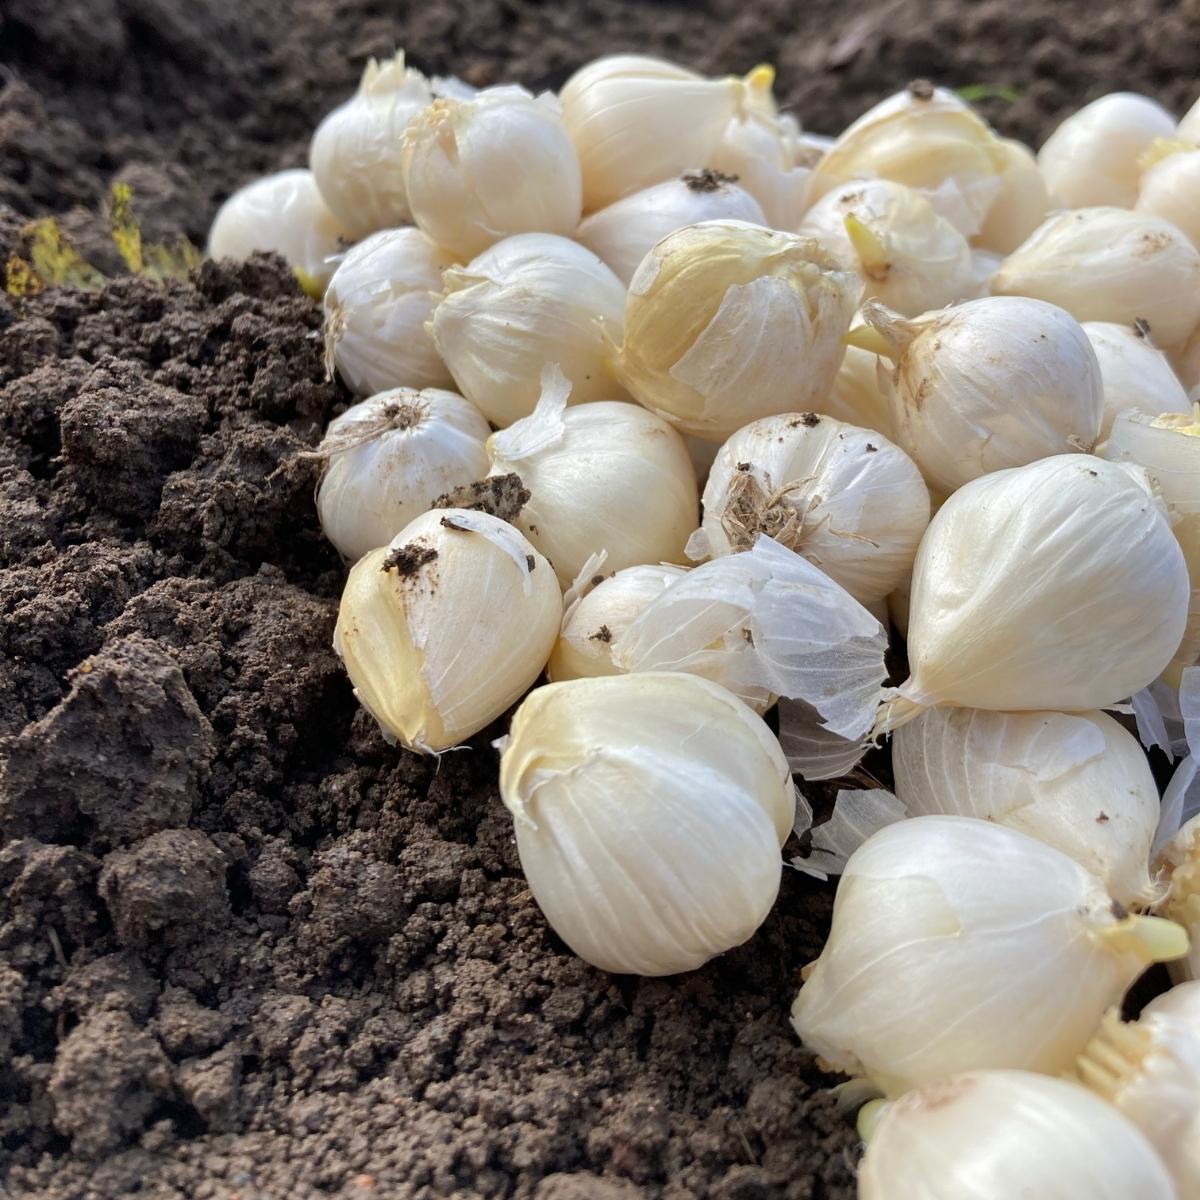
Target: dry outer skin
247	950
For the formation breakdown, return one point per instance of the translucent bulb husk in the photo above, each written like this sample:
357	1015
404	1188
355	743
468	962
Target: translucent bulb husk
1108	264
996	1135
1169	187
389	458
595	621
527	301
1033	589
1079	783
606	478
649	812
726	322
284	214
909	257
844	497
498	164
979	921
993	383
1136	375
624	232
376	307
451	578
1092	157
355	151
1021	204
1149	1070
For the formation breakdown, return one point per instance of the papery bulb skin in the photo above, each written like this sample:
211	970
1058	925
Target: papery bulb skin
1031	589
727	322
1078	782
1135	374
993	383
1092	157
943	907
282	214
376	307
356	150
480	170
390	457
1021	205
527	301
845	498
908	256
451	578
649	811
1108	264
584	646
996	1135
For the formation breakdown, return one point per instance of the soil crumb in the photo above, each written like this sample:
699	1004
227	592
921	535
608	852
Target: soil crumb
500	496
408	560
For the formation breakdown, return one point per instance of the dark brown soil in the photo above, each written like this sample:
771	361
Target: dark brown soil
246	948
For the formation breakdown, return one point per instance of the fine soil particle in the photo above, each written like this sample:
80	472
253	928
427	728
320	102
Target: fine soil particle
408	560
248	949
502	496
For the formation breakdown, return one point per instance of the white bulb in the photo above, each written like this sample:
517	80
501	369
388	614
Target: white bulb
997	1135
376	307
943	928
1092	157
845	498
1169	189
1106	264
1135	374
284	214
355	152
483	169
856	396
390	458
1021	204
624	232
1077	782
649	812
529	300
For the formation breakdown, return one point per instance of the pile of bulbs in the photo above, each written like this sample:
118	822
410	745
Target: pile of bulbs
931	384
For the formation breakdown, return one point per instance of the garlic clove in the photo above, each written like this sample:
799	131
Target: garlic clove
995	1135
845	498
1092	157
1135	374
649	812
529	300
607	476
1106	264
355	151
1170	184
282	214
726	322
1021	205
452	579
856	396
1033	589
993	383
1180	864
1078	782
498	164
389	458
376	306
943	907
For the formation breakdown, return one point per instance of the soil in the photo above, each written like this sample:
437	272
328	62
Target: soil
247	949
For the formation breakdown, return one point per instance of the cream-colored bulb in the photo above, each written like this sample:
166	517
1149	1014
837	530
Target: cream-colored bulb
1058	585
1189	125
606	478
483	169
845	498
527	301
997	1135
376	307
1078	782
1185	360
908	256
649	812
993	383
1170	187
1135	373
1180	864
355	152
624	233
1092	157
1107	264
450	582
727	322
283	214
856	396
943	927
390	457
1021	205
